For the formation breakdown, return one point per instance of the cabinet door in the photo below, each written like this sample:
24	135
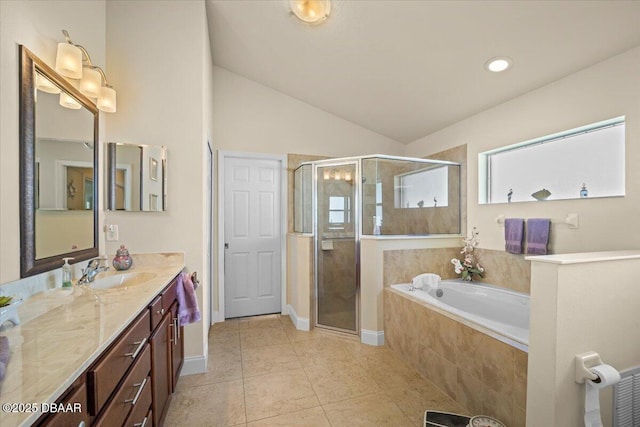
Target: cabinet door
160	368
177	346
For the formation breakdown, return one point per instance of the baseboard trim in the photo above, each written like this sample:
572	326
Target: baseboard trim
217	317
372	337
301	323
194	365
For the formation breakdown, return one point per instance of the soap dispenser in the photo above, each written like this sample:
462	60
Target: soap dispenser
66	273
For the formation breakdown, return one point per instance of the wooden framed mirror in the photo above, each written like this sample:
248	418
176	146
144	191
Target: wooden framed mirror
58	169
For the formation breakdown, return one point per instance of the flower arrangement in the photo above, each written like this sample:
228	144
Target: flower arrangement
470	265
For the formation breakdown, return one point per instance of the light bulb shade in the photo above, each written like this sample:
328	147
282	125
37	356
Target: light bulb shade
68	101
91	82
69	61
44	84
107	100
311	11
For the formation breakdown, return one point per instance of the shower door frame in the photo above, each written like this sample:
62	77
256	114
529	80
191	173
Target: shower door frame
356	161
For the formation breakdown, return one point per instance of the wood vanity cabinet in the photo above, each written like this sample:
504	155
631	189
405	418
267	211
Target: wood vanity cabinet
77	394
167	351
131	383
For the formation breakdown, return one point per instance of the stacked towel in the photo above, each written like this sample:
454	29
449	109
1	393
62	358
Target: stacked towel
427	279
538	235
188	311
513	234
4	355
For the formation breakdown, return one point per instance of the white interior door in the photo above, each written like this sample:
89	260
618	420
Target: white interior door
252	237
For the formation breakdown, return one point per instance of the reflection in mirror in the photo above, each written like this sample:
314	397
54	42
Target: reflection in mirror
136	178
58	169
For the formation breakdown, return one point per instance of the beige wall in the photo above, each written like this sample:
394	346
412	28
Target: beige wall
158	58
248	116
300	275
38	26
605	90
575	308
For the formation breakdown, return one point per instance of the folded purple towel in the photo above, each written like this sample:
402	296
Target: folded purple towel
4	355
513	234
188	311
538	235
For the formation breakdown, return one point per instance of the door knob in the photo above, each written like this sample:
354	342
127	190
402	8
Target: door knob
226	246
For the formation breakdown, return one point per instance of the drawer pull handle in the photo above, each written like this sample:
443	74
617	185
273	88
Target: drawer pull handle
142	424
177	327
140	344
160	312
138	393
176	331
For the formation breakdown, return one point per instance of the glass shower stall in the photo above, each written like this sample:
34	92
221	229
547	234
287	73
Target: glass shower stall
342	201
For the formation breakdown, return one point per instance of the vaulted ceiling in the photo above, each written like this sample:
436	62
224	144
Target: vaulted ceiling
405	69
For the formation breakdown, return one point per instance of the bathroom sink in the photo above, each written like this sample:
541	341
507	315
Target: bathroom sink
121	280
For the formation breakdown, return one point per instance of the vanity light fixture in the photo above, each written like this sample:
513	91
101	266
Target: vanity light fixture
498	64
311	11
73	61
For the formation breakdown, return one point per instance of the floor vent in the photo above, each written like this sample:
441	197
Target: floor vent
626	399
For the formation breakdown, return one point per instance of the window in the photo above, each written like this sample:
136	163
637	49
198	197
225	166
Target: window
339	212
423	188
582	162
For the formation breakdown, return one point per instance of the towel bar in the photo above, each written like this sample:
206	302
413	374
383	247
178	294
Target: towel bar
571	220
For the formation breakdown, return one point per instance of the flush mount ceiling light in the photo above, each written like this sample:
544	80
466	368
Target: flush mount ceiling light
311	11
498	64
73	61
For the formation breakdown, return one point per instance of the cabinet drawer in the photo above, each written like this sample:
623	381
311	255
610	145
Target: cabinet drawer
156	312
78	396
107	373
134	390
139	415
169	295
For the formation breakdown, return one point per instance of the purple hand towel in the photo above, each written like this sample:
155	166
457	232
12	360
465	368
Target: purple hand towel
188	311
513	234
538	235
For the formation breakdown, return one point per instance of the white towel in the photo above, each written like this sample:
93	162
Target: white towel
429	280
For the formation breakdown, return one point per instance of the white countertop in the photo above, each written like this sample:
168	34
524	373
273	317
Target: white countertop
584	257
62	334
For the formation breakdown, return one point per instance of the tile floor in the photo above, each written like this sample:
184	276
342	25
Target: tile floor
264	372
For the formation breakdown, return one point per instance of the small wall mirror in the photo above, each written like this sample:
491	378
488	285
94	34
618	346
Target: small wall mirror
58	169
136	177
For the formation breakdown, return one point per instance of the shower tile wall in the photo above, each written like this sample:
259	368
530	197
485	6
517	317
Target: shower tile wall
401	221
482	374
338	284
502	269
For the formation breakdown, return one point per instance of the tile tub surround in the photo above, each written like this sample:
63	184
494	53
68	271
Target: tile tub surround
61	335
502	269
479	372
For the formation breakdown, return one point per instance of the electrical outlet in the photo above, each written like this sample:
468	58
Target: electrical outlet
112	232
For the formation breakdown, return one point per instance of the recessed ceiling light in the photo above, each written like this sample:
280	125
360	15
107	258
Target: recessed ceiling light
498	64
311	11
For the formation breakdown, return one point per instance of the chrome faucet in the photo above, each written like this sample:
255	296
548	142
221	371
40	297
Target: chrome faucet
92	269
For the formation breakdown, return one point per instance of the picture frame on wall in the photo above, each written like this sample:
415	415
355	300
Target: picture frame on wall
153	169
